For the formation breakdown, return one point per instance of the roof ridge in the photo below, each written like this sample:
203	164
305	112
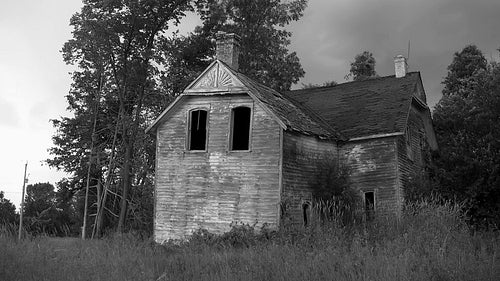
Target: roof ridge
351	82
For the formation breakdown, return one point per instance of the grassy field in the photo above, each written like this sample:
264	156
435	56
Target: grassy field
429	243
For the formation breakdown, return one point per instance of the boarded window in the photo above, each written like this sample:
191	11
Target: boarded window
369	205
240	128
198	130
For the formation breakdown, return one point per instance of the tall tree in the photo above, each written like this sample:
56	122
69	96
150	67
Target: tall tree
49	211
468	134
263	48
115	46
39	198
7	210
39	210
363	67
465	66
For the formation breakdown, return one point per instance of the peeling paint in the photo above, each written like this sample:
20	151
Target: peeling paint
363	164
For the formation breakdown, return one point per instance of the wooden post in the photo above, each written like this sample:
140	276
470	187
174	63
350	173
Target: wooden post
22	204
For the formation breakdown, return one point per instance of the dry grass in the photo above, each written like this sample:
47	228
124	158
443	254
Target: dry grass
431	242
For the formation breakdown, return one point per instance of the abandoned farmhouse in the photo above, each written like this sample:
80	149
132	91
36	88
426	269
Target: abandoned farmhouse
231	150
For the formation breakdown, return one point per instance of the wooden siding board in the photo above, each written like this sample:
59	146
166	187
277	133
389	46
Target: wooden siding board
373	167
301	154
214	188
407	166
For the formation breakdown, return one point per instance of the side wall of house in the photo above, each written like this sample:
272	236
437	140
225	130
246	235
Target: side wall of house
214	188
373	168
302	156
412	155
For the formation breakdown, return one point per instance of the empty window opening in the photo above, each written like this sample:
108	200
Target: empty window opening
305	214
369	205
240	128
198	130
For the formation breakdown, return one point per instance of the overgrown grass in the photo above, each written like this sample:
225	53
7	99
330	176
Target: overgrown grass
430	242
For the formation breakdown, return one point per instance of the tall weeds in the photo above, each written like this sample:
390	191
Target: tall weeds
429	242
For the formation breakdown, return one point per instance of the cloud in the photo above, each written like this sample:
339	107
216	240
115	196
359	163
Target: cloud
332	32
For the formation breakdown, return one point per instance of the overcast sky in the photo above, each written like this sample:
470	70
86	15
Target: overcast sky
34	80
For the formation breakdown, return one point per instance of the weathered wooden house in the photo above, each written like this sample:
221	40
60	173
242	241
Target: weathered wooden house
230	149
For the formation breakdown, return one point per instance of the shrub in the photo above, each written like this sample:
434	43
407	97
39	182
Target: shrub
333	197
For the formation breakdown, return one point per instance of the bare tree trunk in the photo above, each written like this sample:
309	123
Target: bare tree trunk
111	167
91	157
133	128
126	175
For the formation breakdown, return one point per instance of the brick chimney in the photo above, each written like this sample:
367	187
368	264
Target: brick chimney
400	66
228	48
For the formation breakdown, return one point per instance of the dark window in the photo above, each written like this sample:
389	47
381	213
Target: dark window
370	205
240	128
198	130
305	213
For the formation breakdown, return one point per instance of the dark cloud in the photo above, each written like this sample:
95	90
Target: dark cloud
333	32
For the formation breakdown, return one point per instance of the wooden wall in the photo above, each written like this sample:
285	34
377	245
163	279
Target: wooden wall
411	163
301	156
212	189
373	168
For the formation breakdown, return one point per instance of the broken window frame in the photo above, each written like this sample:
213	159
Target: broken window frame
231	129
189	129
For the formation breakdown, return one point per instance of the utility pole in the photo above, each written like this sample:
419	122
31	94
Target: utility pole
22	204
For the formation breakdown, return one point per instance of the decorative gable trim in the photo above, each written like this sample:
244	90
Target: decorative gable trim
216	78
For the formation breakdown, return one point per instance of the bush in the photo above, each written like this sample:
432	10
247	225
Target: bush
334	199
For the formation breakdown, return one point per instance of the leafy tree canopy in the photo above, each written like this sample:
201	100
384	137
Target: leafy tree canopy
467	127
363	67
465	66
39	198
263	48
115	92
7	210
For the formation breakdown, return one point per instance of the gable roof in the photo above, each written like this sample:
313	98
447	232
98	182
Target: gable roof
352	110
219	78
294	116
362	108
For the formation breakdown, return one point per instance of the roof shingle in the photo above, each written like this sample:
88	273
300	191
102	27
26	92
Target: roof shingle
362	108
294	116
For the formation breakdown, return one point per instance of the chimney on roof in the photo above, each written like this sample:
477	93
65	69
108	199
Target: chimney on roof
228	48
400	66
